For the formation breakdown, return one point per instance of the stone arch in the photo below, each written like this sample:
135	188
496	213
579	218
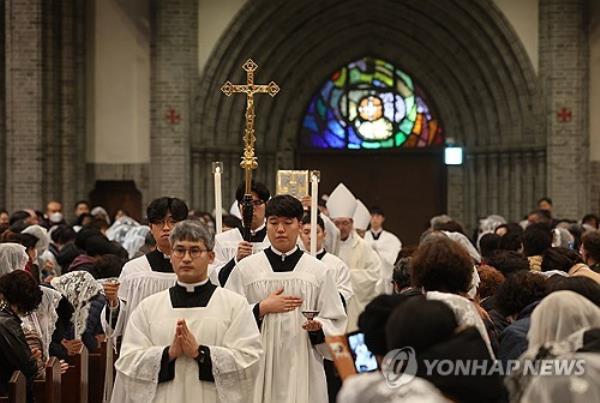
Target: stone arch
465	55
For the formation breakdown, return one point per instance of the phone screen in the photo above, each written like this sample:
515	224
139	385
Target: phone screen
364	360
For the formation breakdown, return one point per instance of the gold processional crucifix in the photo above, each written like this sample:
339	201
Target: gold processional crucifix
249	161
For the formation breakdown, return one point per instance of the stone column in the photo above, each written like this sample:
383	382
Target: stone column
24	109
564	74
174	42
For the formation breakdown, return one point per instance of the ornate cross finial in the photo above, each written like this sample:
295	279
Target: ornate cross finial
249	161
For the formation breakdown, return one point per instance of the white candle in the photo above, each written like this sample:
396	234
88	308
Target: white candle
314	179
217	171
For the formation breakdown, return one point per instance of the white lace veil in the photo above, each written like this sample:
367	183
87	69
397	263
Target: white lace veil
13	256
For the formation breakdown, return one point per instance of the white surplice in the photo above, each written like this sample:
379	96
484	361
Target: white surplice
341	274
137	281
226	244
364	265
225	326
387	247
291	370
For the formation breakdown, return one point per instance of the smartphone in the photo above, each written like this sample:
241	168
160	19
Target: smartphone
364	360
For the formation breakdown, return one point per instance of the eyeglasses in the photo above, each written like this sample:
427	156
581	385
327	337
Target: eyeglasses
179	252
257	202
168	221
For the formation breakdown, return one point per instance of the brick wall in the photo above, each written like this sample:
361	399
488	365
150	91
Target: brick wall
564	74
24	112
173	48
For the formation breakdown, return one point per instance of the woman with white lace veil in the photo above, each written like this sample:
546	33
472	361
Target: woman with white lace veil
42	321
561	327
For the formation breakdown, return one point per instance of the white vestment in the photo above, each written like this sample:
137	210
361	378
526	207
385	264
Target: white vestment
291	370
226	244
387	247
341	275
364	266
225	326
137	281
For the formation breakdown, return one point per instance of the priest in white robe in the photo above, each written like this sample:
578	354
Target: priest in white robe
194	342
387	246
145	275
362	260
340	270
282	284
230	246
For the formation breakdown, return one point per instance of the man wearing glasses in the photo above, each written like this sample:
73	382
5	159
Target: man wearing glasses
230	247
145	275
194	342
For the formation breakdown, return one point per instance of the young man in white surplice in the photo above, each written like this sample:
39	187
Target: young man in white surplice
145	275
194	342
282	283
230	246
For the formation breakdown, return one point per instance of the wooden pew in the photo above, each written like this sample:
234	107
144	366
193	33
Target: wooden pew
49	390
74	384
17	389
97	365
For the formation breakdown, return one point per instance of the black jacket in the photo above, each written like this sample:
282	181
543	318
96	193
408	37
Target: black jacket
14	352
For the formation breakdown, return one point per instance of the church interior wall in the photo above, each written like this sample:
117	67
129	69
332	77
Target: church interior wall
595	105
119	70
523	15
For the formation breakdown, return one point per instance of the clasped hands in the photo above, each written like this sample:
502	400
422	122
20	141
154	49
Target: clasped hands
184	342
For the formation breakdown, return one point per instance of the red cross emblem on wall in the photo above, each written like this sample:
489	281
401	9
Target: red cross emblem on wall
564	115
173	117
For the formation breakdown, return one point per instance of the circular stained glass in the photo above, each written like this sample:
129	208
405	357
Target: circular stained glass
370	104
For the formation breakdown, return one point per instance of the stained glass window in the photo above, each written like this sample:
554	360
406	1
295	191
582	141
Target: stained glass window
370	104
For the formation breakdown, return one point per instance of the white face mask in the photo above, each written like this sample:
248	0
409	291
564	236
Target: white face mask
55	218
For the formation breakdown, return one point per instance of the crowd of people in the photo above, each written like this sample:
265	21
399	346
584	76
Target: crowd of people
245	315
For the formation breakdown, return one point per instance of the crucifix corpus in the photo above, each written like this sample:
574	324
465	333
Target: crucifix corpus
249	161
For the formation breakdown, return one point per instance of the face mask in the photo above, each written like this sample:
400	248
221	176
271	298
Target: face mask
55	217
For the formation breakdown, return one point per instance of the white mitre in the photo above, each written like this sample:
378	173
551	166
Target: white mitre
234	210
341	203
362	216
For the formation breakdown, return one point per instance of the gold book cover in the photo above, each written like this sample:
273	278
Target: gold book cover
293	182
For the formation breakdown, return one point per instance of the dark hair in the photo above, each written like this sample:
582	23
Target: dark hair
107	266
442	265
82	217
420	323
536	239
231	221
27	240
19	288
591	243
377	210
584	286
257	187
545	199
63	234
284	206
510	241
77	203
544	216
97	223
518	291
373	319
488	244
589	217
559	259
450	226
159	208
491	279
20	215
306	220
508	262
401	274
